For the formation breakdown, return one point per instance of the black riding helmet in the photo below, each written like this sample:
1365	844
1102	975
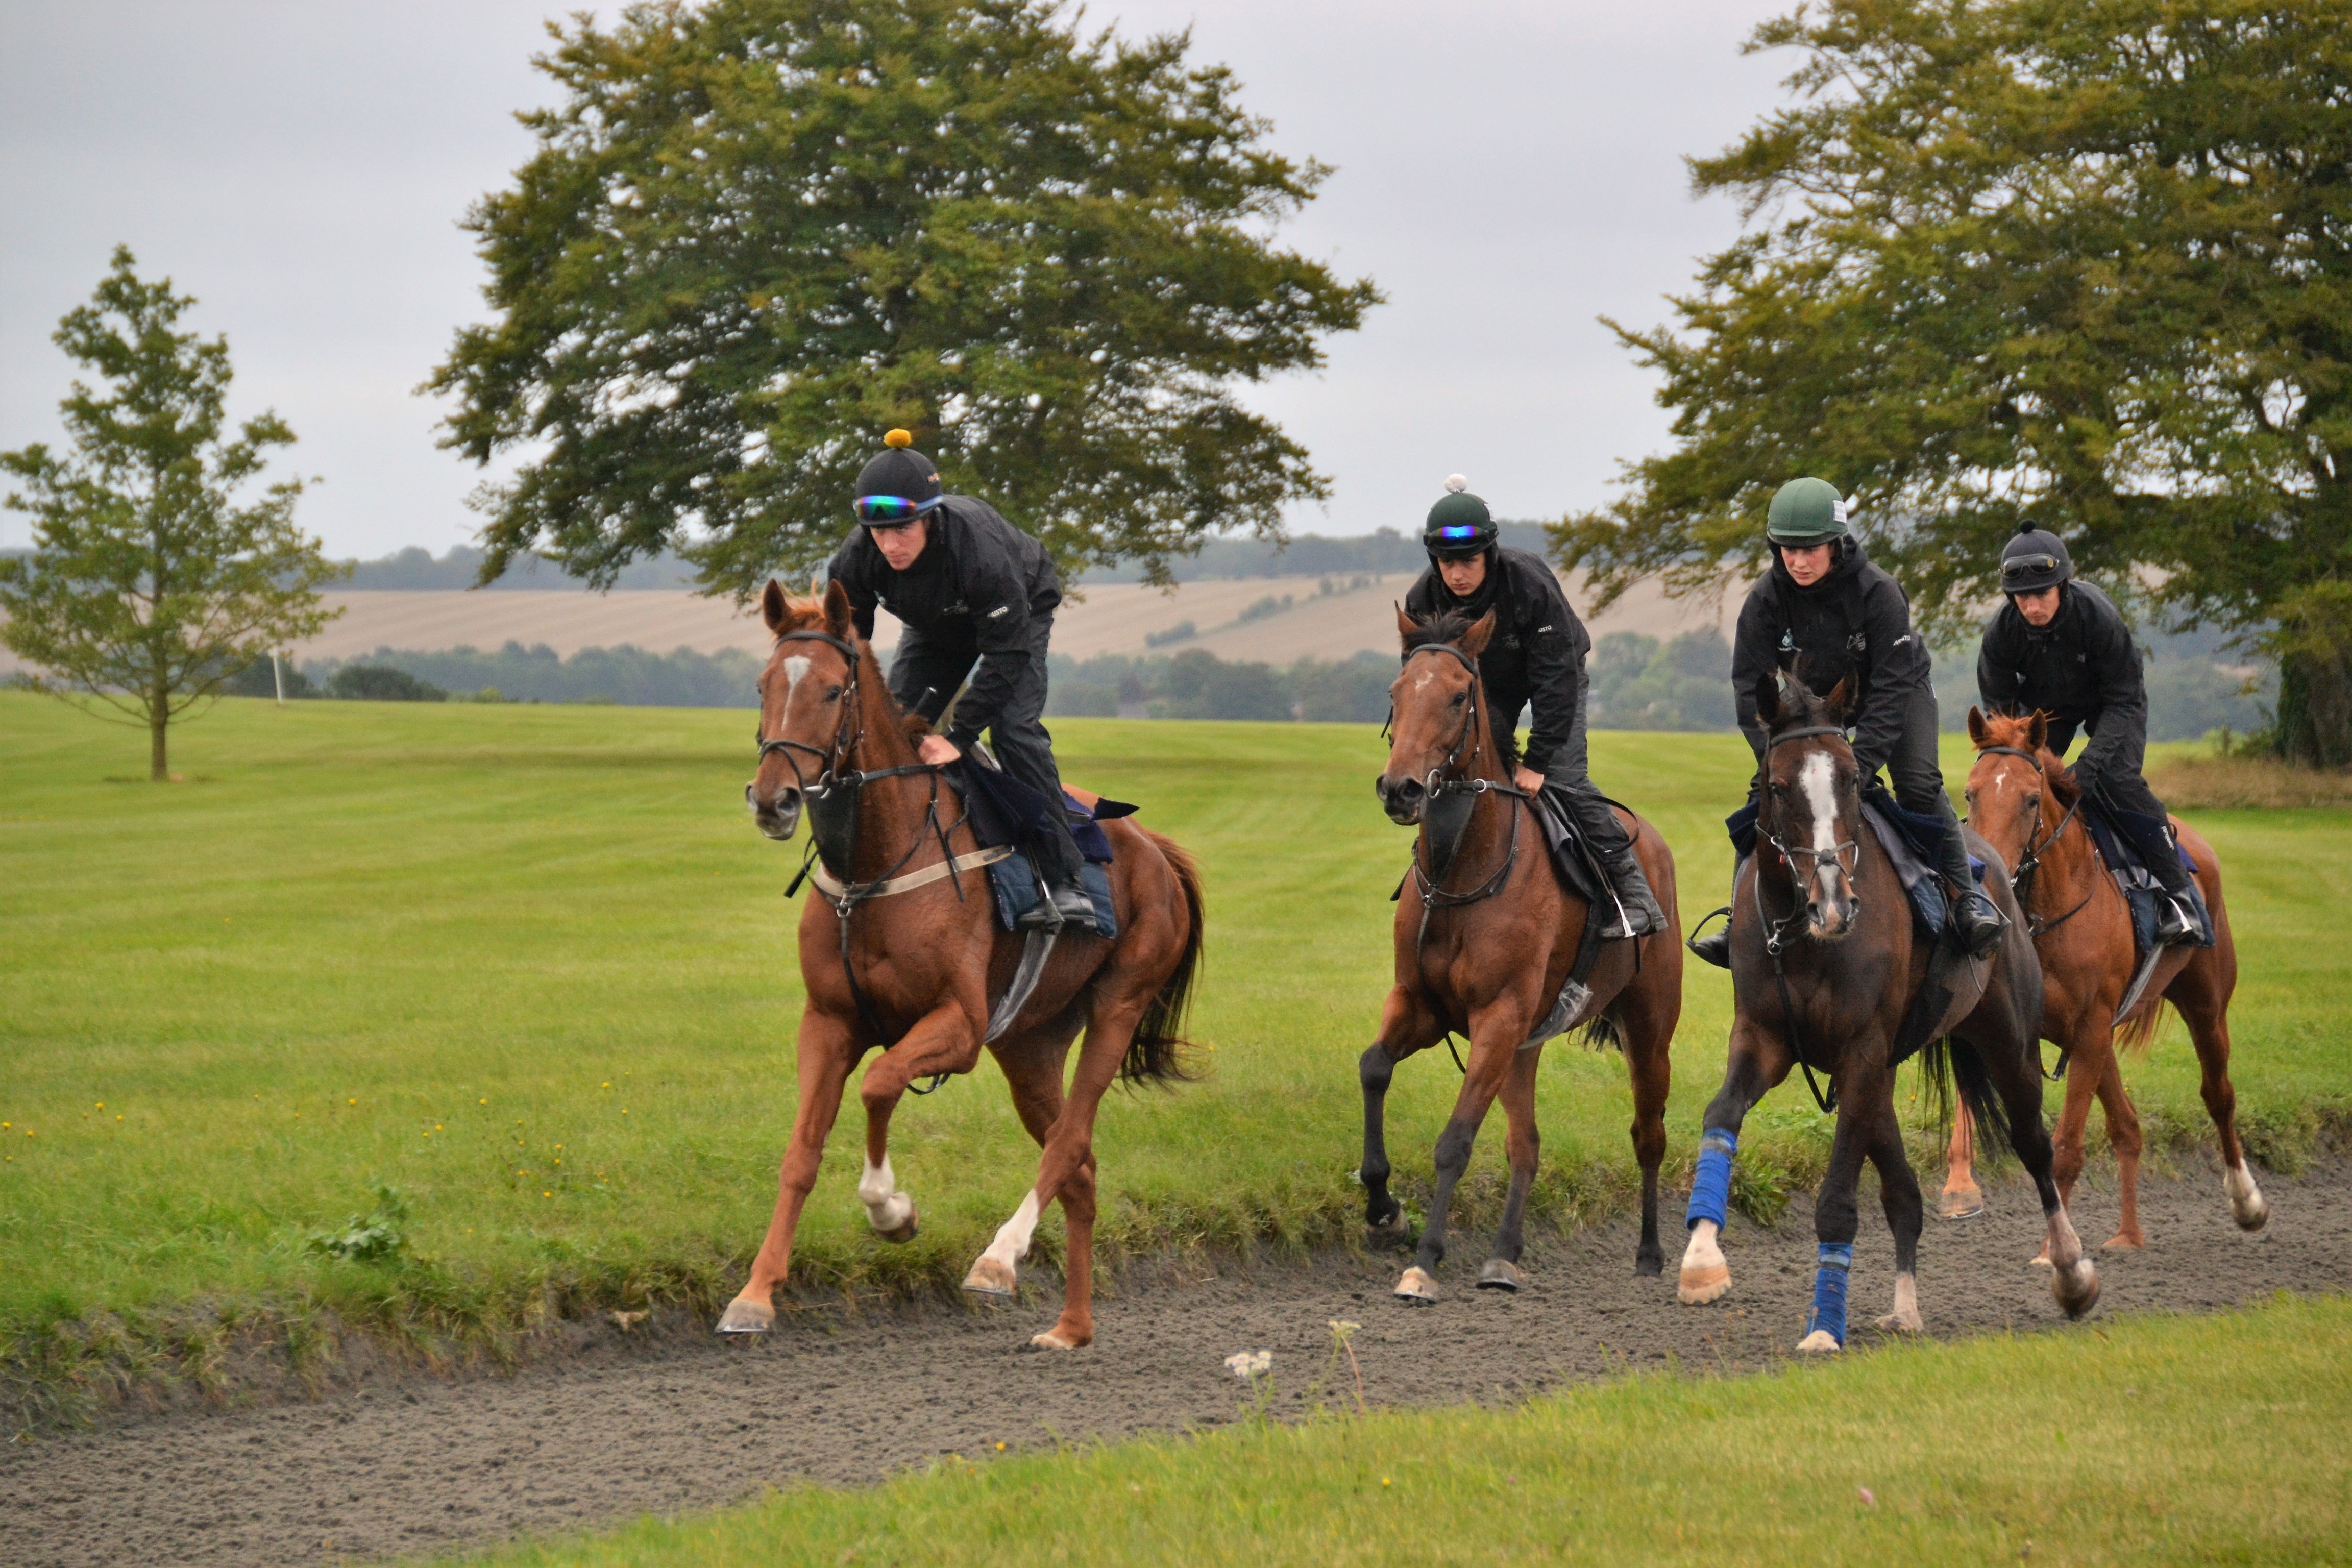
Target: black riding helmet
2033	559
897	486
1459	525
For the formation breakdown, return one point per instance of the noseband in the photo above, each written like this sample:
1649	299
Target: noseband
1776	935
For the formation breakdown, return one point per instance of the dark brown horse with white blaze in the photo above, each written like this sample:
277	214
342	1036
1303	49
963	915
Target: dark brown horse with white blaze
923	956
1824	970
2026	805
1486	939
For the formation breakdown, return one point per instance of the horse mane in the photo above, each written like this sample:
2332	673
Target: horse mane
1446	628
2011	730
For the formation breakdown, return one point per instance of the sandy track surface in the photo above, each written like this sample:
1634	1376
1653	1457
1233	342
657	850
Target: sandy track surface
656	1425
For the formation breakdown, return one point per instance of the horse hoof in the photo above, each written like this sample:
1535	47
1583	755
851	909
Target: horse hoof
1966	1204
1898	1323
902	1232
989	1278
2042	1258
1697	1286
745	1316
2247	1204
1821	1342
1649	1265
1416	1286
2124	1241
1053	1339
1501	1274
2077	1288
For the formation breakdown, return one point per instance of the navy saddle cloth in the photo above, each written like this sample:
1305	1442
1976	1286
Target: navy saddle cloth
1914	842
2125	839
1004	811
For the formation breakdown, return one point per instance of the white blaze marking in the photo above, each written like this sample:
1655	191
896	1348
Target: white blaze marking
795	667
1817	779
1012	1243
885	1207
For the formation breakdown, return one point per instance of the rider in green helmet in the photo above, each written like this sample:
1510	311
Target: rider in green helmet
1824	611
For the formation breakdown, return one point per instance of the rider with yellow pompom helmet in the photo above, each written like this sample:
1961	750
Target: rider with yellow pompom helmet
977	597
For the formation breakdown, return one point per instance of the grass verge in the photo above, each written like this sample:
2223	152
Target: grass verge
2151	1439
529	968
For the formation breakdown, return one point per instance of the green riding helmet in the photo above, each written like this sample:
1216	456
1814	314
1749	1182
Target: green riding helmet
1804	513
1459	525
2033	559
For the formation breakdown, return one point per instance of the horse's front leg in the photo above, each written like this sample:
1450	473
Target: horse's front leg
942	1040
827	1051
1961	1197
1758	1061
1898	1193
1835	1218
1525	1143
1406	1026
1495	1035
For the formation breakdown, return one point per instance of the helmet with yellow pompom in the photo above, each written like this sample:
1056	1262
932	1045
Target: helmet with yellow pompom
898	485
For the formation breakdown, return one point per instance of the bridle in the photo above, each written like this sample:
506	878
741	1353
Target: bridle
1777	934
1445	779
2036	843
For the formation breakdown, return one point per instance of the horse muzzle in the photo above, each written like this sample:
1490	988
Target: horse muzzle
777	815
1834	911
1402	799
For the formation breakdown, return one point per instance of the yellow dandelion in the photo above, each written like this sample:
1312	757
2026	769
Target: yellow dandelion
101	1105
547	1194
350	1102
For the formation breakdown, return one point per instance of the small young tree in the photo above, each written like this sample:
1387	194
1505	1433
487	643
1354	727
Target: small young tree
149	585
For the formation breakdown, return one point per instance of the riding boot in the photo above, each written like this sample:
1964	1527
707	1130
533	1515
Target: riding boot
1641	914
1716	946
2176	920
1066	901
1981	923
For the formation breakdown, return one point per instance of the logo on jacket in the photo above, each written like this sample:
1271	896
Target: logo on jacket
997	611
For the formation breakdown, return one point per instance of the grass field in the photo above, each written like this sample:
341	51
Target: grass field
530	967
2221	1439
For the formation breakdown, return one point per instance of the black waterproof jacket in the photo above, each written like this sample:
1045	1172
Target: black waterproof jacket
973	592
1537	654
1854	621
2083	669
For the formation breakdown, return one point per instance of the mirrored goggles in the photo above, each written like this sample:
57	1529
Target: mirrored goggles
2018	568
890	511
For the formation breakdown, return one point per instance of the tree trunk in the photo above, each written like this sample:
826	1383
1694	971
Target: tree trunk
2314	645
159	719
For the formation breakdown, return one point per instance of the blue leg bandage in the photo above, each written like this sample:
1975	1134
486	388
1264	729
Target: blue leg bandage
1711	1188
1829	1290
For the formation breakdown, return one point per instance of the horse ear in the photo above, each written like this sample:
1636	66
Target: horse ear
2037	730
836	610
1841	698
1976	736
772	605
1474	641
1406	624
1767	699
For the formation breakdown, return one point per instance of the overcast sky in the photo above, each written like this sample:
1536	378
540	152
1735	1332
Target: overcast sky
1506	172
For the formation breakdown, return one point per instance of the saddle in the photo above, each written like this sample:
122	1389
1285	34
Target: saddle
2121	837
1004	813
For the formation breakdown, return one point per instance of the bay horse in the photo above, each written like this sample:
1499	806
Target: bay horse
1824	970
2025	801
904	957
1487	943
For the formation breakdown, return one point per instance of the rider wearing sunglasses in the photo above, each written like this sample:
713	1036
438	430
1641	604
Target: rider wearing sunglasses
977	597
1534	659
1823	610
2060	646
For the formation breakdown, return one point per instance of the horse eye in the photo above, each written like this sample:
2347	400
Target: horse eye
1459	698
832	694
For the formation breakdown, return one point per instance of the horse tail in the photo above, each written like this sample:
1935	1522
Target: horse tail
1950	1064
2137	1028
1153	1056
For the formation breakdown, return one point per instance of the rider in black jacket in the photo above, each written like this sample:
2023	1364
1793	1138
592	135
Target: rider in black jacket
1824	611
1536	656
2060	646
978	597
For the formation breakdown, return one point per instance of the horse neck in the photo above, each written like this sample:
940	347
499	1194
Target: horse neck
891	813
1484	841
2069	864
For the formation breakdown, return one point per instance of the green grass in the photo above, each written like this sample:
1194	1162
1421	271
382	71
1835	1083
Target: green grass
2220	1440
445	947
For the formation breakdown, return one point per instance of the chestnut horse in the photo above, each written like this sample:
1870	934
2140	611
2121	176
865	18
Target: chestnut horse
1824	971
914	974
1486	942
2025	801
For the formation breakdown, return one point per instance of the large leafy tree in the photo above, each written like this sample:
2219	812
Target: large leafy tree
2085	260
150	583
757	234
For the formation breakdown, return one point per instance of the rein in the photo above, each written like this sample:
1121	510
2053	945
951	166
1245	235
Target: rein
1434	896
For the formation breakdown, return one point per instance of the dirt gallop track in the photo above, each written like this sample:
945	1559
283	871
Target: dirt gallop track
686	1420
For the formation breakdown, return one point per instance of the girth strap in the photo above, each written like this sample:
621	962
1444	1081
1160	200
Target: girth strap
949	866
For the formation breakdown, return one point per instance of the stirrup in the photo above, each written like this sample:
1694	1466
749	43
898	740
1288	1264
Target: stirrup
1715	949
2181	926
